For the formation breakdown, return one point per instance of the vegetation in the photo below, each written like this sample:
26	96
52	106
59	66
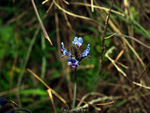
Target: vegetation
116	77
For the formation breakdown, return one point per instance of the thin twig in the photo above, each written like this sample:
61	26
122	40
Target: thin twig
103	39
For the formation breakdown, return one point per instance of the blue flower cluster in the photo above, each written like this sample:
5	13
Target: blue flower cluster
74	56
5	107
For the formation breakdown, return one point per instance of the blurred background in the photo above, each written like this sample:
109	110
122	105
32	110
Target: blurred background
121	85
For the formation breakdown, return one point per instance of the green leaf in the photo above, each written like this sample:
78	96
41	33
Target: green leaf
117	105
120	103
34	92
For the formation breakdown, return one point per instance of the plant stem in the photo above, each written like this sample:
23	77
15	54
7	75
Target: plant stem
75	87
103	39
24	64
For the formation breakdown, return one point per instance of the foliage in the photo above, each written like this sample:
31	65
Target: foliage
23	46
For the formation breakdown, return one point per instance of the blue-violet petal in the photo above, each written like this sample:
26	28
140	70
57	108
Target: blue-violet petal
77	41
65	52
86	52
73	62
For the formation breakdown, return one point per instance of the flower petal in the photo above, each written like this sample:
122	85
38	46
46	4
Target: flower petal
65	52
77	41
73	62
86	52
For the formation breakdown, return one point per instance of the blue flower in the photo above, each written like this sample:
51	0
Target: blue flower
73	62
74	56
2	102
86	52
77	41
5	107
65	52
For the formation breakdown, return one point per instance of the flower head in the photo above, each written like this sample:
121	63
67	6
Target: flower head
74	56
77	41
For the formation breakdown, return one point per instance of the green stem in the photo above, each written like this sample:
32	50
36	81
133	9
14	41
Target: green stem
43	58
22	109
75	88
24	64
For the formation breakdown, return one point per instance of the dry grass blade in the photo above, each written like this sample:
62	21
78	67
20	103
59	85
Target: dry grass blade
85	96
52	101
133	38
117	58
92	102
50	7
41	24
44	2
92	8
56	94
110	36
122	65
104	104
113	62
66	2
72	14
67	21
133	50
138	84
126	42
142	74
93	105
39	79
98	7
